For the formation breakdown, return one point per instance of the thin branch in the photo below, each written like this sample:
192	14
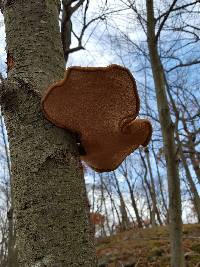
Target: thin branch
75	49
90	22
140	18
178	8
164	20
66	26
182	29
194	27
75	7
86	25
194	62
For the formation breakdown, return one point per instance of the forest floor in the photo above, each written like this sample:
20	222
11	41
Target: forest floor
147	247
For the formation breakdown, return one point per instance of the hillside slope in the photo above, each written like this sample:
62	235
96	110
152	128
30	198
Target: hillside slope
147	247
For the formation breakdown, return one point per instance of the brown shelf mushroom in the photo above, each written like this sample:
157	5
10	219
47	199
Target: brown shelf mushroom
100	105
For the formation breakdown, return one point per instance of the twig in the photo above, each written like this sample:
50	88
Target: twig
164	19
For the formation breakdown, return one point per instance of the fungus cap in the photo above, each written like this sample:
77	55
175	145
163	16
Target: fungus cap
101	105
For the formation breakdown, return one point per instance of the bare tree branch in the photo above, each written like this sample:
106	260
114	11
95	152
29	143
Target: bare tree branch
75	49
187	5
194	62
165	19
182	29
131	4
66	24
74	8
178	8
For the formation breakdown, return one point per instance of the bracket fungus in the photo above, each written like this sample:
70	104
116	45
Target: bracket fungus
100	104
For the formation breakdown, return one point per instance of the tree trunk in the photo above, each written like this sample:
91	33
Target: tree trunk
167	128
113	205
125	223
50	202
149	186
153	189
192	151
148	202
102	203
134	204
193	189
161	190
195	159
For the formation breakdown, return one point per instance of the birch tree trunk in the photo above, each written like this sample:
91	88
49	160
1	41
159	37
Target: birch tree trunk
167	128
50	202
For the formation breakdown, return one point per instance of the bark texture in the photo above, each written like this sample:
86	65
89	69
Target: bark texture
50	202
167	128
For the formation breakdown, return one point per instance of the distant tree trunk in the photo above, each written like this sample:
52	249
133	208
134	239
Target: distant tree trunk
193	189
134	204
161	189
107	217
50	201
131	191
148	202
103	231
195	159
153	189
113	205
167	128
125	223
149	186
